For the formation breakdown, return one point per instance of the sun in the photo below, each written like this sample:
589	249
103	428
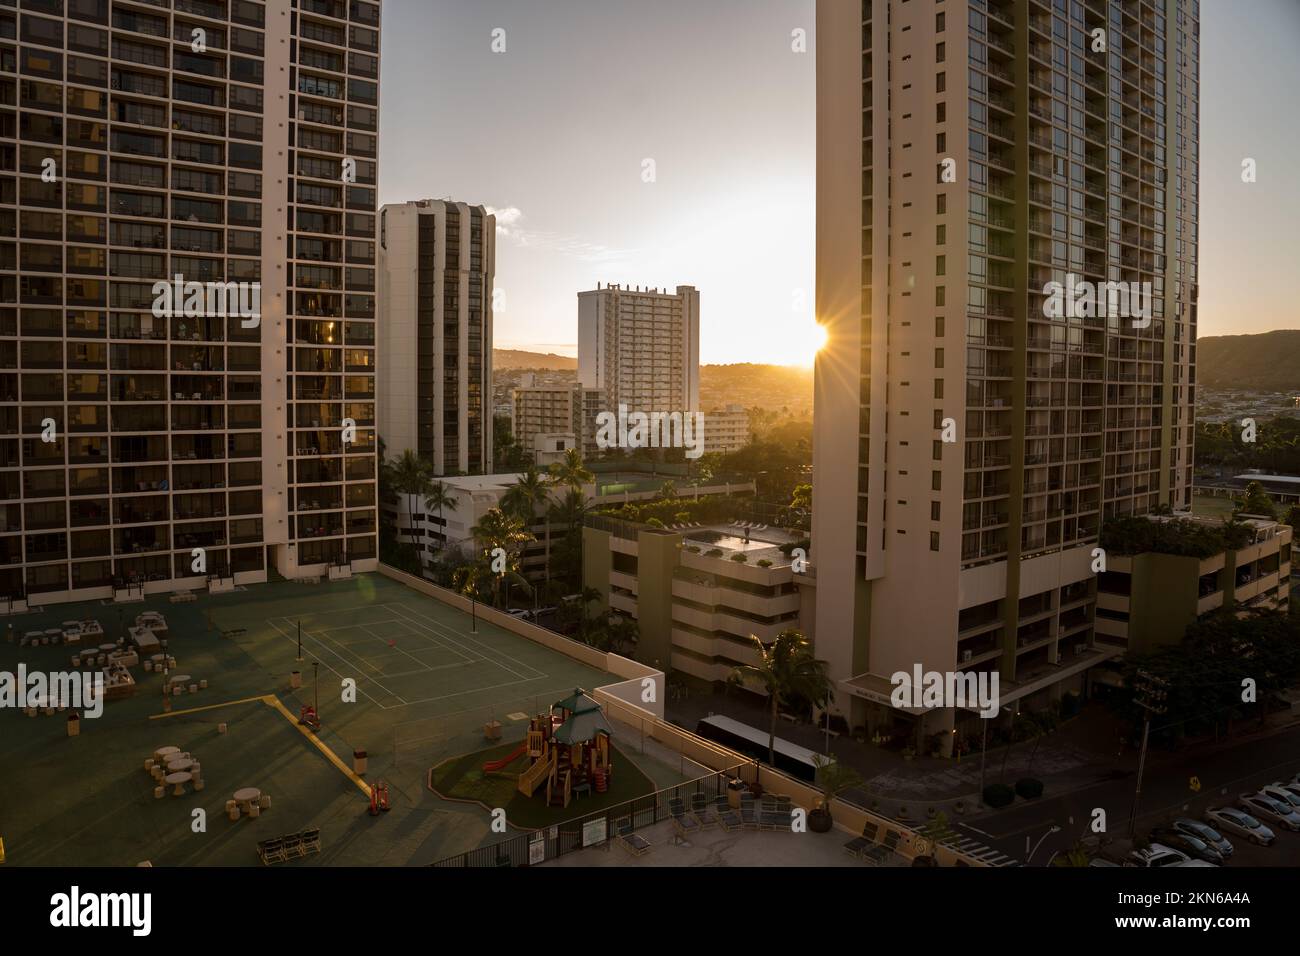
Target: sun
809	339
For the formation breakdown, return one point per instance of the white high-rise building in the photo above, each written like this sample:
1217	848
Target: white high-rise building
969	443
641	347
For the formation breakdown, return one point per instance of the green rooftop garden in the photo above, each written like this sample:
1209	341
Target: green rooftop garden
1181	536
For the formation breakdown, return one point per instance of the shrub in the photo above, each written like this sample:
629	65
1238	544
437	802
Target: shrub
693	548
655	523
713	553
804	543
997	795
739	557
764	563
1029	788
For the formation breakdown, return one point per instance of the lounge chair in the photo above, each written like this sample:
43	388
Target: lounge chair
683	821
729	818
769	818
857	845
634	843
707	816
880	853
749	811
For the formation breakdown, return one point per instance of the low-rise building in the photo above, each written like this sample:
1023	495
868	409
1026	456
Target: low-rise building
1148	599
726	429
699	594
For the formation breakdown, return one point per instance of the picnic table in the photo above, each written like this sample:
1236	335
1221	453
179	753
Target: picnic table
179	764
178	781
162	753
246	797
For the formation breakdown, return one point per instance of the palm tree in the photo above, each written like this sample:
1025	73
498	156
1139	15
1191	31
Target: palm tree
787	668
529	494
571	471
569	510
496	529
833	779
440	496
410	476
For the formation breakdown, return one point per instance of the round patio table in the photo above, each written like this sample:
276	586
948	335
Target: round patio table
247	797
179	764
178	781
179	679
163	754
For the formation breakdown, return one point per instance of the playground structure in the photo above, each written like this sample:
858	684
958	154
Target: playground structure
569	751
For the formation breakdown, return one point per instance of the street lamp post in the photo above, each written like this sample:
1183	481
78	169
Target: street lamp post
1029	854
1150	696
315	687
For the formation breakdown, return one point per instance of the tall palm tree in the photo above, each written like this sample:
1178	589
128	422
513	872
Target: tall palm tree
497	529
439	496
410	477
569	510
571	471
785	669
529	494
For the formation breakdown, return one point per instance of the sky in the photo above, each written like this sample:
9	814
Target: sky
554	134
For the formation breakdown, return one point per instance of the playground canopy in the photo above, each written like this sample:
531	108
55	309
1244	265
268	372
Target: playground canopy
584	722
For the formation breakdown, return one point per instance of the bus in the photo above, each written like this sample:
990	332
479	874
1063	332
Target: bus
790	758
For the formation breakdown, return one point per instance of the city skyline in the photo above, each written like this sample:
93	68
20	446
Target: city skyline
572	213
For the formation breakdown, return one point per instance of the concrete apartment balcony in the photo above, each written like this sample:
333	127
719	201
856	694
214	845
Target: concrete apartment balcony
628	582
738	627
714	594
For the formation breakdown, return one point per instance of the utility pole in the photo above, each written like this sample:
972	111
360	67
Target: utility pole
1150	694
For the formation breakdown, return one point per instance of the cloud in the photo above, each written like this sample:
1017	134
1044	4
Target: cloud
510	227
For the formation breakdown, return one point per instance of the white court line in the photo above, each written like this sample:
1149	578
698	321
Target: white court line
431	639
437	640
481	648
306	634
394	647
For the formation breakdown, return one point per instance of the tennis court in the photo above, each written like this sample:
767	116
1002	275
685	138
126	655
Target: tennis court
399	657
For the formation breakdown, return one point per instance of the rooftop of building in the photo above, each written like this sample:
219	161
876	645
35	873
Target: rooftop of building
428	680
754	540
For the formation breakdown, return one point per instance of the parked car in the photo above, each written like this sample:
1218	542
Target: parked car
1155	854
1205	833
1192	846
1234	821
1288	796
1270	810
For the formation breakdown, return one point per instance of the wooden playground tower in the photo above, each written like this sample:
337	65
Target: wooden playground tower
569	748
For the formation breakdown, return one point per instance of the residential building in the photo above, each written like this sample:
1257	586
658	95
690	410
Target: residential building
150	445
969	156
555	410
641	347
437	260
726	429
475	495
1147	599
699	595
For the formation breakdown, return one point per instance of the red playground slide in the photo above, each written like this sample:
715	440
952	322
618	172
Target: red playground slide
494	765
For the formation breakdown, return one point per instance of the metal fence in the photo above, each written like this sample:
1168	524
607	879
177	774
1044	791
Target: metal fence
597	829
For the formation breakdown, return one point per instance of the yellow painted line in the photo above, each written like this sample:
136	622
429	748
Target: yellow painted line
195	710
274	703
270	700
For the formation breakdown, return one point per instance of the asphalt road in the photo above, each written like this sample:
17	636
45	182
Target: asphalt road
1024	828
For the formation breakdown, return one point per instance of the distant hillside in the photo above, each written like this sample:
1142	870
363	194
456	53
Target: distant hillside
1268	362
514	358
765	386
